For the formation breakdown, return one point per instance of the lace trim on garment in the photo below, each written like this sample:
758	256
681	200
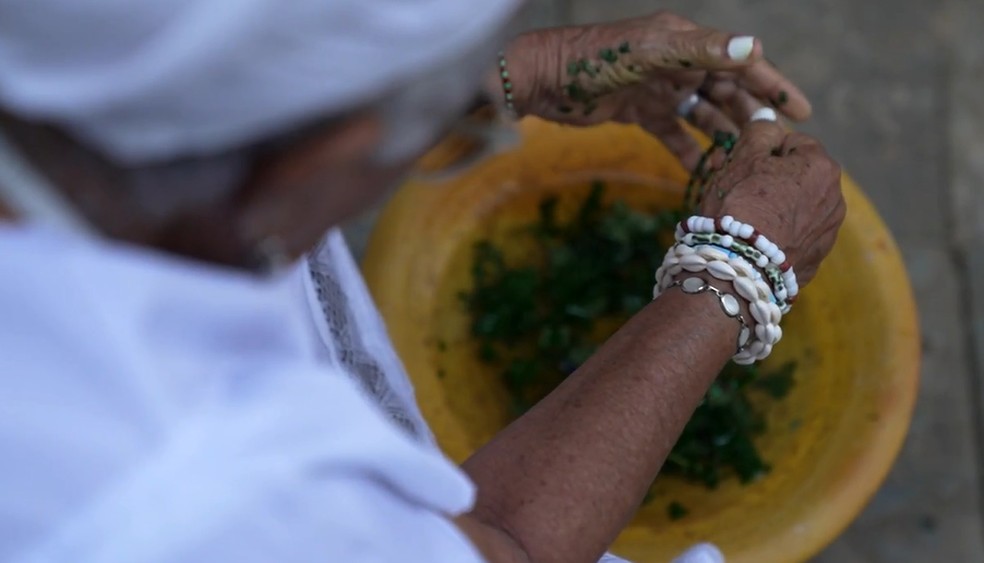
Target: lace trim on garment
351	349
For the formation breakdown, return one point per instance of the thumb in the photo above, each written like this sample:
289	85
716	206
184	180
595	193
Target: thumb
706	49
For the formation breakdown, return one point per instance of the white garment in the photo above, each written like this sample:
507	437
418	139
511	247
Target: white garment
352	337
152	80
152	410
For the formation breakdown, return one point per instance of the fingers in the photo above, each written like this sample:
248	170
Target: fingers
711	119
728	90
762	136
767	83
705	49
720	87
676	139
744	106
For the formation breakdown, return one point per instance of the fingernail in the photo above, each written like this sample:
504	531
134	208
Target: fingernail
702	553
741	47
764	114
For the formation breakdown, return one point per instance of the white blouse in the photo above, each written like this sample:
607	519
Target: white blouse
153	410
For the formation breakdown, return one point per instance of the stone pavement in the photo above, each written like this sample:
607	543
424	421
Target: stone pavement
897	91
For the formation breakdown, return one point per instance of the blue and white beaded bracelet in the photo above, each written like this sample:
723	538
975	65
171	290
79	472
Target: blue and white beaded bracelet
753	256
730	230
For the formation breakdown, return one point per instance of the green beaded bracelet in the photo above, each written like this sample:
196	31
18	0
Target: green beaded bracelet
507	85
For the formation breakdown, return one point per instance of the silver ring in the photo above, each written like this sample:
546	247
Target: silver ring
687	106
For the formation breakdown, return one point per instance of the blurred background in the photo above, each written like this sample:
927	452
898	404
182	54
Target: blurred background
898	95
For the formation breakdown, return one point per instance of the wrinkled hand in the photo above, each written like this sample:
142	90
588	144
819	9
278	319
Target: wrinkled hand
786	186
640	70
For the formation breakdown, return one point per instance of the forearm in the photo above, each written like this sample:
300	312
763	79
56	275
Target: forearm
564	479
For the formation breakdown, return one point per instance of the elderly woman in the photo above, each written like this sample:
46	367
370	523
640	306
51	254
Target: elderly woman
175	386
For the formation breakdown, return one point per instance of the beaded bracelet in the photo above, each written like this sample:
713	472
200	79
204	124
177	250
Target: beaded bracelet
682	258
756	274
729	304
507	85
721	265
730	229
745	251
736	270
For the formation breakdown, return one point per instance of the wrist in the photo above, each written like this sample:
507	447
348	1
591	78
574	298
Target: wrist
689	265
529	59
723	302
702	318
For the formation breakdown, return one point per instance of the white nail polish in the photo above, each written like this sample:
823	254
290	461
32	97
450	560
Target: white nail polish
740	48
702	553
764	114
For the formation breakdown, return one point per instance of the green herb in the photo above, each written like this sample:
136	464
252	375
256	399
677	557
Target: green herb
573	68
676	511
781	99
538	319
624	47
685	63
779	383
608	55
588	68
577	93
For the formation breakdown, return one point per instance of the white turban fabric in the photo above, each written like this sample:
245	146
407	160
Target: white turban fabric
147	81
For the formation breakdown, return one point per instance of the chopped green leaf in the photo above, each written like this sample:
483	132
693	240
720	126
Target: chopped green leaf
779	383
608	55
676	511
538	318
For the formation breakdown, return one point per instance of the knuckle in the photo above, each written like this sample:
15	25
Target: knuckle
800	140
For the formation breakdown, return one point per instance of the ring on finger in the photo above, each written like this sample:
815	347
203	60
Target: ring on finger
686	107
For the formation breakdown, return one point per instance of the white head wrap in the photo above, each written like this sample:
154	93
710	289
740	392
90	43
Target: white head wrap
150	80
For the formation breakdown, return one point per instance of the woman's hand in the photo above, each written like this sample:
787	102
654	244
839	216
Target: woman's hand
786	186
644	70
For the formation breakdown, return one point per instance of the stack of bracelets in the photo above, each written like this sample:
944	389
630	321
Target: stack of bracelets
733	252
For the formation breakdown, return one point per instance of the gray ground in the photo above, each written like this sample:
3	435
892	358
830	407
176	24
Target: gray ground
898	92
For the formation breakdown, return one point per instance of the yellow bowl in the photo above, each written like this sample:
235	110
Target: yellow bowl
853	333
